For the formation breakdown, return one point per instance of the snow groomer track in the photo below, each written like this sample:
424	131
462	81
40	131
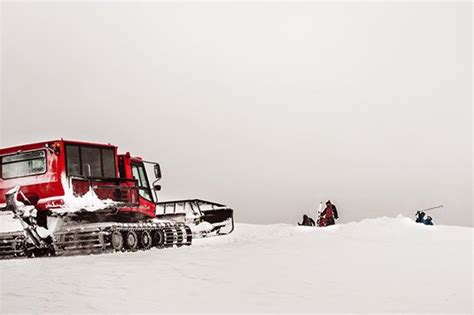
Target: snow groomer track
110	237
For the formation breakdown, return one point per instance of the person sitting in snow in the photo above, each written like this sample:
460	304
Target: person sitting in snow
329	215
428	221
420	217
307	221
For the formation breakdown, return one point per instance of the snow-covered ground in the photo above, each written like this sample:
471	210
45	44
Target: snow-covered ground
379	265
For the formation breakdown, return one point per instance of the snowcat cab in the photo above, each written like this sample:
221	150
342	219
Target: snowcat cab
66	176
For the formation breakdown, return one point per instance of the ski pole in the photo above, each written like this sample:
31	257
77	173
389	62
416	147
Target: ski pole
432	208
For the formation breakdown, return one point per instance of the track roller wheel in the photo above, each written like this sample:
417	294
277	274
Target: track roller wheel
117	241
146	240
131	240
159	238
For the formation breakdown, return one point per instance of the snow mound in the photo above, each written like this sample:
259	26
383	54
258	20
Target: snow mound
384	265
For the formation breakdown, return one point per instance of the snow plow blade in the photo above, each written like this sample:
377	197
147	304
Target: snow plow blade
215	218
18	238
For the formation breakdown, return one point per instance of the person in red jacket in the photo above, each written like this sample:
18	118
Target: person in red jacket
329	215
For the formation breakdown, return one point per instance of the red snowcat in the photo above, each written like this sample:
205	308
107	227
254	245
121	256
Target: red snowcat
66	197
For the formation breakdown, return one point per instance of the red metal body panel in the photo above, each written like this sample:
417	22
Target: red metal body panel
37	187
48	191
145	206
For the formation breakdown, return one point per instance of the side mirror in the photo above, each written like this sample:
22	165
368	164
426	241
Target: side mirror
157	170
157	187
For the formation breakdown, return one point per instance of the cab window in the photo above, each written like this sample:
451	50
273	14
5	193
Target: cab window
90	161
23	164
140	175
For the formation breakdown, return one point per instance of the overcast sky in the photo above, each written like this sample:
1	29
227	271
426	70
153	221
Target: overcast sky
269	108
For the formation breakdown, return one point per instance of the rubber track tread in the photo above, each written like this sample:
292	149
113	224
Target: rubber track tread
97	239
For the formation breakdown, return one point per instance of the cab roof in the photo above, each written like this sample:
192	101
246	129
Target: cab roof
39	145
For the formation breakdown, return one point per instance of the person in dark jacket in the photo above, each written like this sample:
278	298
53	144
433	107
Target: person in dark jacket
428	221
307	221
420	217
329	214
